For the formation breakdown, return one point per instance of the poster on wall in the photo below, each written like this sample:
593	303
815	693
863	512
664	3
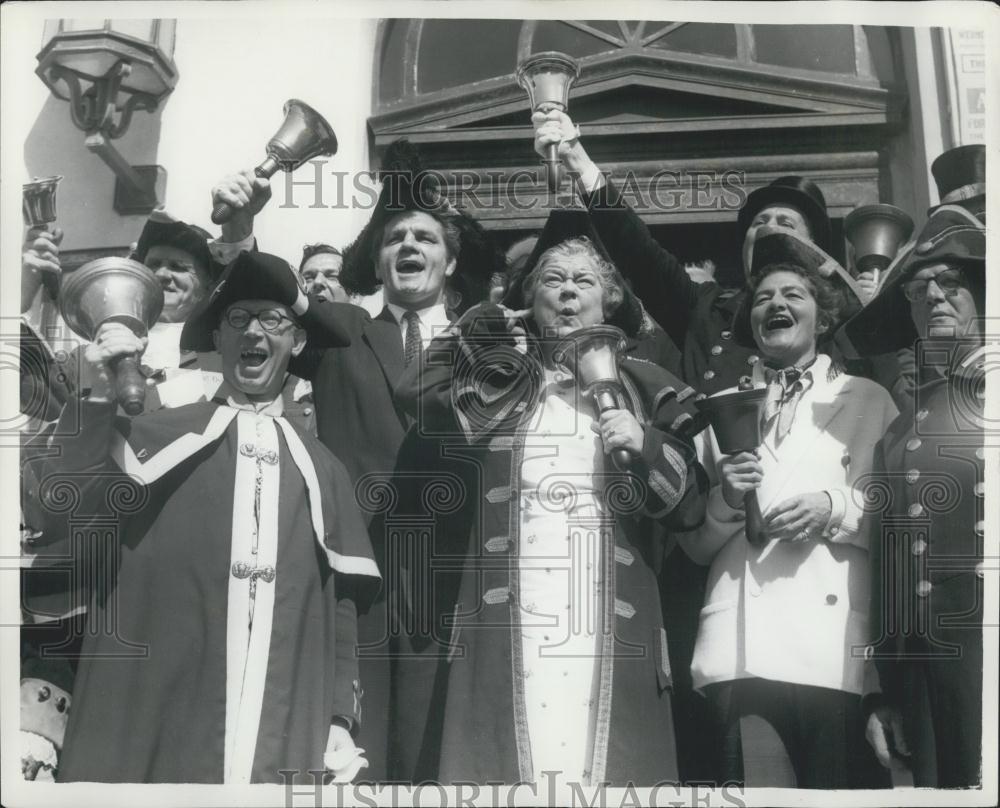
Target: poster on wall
968	46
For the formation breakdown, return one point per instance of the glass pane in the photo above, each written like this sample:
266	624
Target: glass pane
166	33
391	74
457	52
140	29
84	25
52	27
608	26
812	47
695	37
557	36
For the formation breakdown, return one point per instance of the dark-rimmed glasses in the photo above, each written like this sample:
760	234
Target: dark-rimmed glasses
269	319
949	281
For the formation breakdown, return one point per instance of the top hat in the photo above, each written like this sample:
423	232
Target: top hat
952	235
798	192
162	229
960	175
406	187
778	245
260	276
562	225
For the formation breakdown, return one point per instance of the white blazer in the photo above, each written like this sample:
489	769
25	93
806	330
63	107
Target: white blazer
794	611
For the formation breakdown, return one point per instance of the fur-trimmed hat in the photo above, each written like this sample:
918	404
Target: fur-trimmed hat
163	229
952	235
260	276
802	194
778	245
408	186
562	225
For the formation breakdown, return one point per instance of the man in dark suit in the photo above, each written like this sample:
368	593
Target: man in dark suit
429	260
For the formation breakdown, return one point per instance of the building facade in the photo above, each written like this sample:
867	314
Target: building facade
689	116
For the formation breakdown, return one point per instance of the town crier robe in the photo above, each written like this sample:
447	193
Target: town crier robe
177	683
478	391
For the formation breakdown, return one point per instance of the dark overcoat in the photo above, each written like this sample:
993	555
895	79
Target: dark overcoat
392	468
150	697
484	728
927	575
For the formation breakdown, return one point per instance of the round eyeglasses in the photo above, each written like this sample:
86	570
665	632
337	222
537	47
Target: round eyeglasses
949	282
269	319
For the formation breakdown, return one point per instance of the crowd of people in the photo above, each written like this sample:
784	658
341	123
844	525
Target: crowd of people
417	547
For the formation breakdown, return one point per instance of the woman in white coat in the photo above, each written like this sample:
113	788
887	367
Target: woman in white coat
778	652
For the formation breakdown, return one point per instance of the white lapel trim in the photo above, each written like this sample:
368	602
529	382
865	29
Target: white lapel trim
248	645
172	454
347	565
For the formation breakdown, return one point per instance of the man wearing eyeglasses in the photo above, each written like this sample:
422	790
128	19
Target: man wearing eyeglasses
240	561
430	262
928	572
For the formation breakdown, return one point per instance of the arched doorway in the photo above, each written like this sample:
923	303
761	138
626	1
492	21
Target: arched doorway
689	116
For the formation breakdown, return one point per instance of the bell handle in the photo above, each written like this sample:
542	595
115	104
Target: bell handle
605	400
223	212
552	167
130	384
755	530
50	280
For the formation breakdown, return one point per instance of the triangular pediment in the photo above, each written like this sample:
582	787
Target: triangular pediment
631	89
639	104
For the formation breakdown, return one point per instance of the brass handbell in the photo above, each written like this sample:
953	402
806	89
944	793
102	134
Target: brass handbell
38	206
114	290
876	233
38	200
736	420
304	134
547	78
591	355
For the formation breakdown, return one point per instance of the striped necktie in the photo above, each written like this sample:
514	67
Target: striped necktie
413	342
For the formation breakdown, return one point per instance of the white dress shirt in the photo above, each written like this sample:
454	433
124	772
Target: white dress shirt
433	320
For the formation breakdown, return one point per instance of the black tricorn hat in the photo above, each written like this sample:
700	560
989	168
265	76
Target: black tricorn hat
408	186
162	229
778	245
952	235
800	193
562	225
260	276
55	670
960	175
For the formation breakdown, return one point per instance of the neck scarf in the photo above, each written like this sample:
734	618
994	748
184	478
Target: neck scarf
784	390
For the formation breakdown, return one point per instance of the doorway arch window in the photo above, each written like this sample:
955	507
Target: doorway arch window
418	58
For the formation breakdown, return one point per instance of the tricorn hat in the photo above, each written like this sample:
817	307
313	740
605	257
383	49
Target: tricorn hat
960	175
55	670
562	225
163	229
800	193
952	235
260	276
778	245
407	186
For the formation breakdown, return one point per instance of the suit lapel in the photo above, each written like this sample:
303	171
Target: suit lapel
382	334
